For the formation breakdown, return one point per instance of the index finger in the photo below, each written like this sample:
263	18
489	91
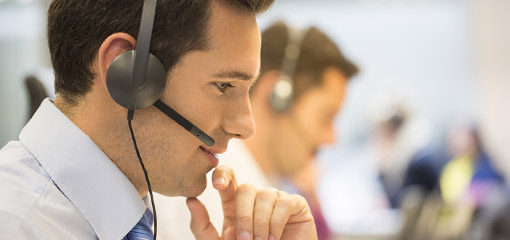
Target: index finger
224	181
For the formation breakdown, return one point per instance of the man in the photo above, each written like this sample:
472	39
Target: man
281	152
74	173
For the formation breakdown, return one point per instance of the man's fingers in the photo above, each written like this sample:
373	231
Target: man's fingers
250	213
282	210
245	203
224	181
264	204
200	225
222	177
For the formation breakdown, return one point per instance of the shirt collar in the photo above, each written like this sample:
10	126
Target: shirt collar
84	174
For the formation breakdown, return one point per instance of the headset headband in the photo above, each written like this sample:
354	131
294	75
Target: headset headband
292	50
283	90
143	44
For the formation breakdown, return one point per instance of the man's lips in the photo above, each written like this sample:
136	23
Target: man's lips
211	156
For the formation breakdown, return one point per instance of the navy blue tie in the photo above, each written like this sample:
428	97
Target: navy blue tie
142	230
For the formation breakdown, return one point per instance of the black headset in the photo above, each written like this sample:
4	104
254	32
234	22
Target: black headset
136	79
283	91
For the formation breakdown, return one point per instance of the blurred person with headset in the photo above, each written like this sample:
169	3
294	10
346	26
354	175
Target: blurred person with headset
83	165
469	176
299	92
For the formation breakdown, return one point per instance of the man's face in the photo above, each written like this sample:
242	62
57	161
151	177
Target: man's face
297	135
209	88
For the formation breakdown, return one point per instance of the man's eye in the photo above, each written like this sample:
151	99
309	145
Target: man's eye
223	86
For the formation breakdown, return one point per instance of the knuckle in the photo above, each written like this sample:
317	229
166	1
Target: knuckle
300	200
243	218
246	188
277	223
266	193
285	200
260	223
298	197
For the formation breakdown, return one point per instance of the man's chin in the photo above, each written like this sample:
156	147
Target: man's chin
189	189
193	194
195	190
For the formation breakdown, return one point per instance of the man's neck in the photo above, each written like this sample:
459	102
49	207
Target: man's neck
260	153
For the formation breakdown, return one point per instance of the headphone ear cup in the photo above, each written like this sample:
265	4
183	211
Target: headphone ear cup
118	81
282	94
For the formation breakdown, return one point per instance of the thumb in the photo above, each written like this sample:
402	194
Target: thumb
200	225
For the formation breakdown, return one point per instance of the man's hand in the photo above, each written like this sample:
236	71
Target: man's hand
250	213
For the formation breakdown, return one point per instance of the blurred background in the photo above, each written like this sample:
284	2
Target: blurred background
423	139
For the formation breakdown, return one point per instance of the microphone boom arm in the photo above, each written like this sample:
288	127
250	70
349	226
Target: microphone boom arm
181	120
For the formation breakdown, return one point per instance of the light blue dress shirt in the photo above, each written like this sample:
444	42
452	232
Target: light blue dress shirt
55	183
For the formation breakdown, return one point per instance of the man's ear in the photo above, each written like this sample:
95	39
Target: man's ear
264	86
112	47
260	95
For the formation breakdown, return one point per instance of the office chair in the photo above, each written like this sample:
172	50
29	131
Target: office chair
36	93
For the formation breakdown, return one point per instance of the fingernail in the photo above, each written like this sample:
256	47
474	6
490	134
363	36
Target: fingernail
220	181
271	237
258	238
244	235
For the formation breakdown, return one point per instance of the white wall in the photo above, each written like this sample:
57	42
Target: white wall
492	20
23	51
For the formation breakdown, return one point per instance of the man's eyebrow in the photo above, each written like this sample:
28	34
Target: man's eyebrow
235	75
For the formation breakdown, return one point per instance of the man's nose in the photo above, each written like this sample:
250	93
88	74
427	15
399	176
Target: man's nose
239	121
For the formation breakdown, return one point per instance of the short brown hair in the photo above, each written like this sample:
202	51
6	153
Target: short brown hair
77	28
318	52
